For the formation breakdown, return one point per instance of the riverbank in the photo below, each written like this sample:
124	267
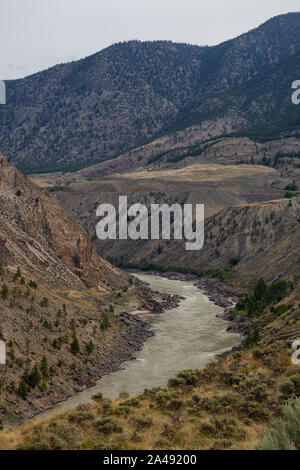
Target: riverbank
129	339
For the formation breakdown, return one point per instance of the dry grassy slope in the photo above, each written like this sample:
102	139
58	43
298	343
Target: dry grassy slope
176	151
142	156
39	237
226	405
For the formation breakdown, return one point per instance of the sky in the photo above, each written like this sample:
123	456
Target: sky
37	34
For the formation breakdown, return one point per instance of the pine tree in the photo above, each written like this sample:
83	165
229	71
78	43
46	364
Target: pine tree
75	348
89	347
4	291
24	388
105	322
260	289
34	377
44	367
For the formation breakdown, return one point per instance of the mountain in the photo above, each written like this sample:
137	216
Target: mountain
78	114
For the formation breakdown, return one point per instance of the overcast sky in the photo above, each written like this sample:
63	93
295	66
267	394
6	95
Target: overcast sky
36	34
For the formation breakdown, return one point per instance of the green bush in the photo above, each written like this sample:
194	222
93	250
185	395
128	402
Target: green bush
98	396
262	296
122	410
144	422
89	347
175	404
188	376
80	416
175	382
291	386
108	426
222	428
285	432
33	284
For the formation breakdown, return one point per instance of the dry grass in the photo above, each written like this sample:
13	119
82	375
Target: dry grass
224	406
201	172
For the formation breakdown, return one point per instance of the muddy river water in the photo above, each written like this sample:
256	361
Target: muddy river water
186	337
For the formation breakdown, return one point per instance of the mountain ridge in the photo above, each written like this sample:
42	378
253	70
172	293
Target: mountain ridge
80	113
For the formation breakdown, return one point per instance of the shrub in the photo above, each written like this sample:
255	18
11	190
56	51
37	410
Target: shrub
254	410
188	376
108	426
132	402
291	386
122	410
175	404
143	422
33	284
162	397
223	428
67	433
285	432
175	382
80	416
97	396
44	302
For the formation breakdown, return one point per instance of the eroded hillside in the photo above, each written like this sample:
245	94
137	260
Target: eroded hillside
249	221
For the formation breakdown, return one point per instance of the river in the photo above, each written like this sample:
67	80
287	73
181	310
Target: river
186	337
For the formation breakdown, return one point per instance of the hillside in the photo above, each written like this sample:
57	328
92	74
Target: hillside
77	114
60	303
247	217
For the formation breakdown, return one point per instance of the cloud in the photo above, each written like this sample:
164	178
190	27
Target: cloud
16	67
